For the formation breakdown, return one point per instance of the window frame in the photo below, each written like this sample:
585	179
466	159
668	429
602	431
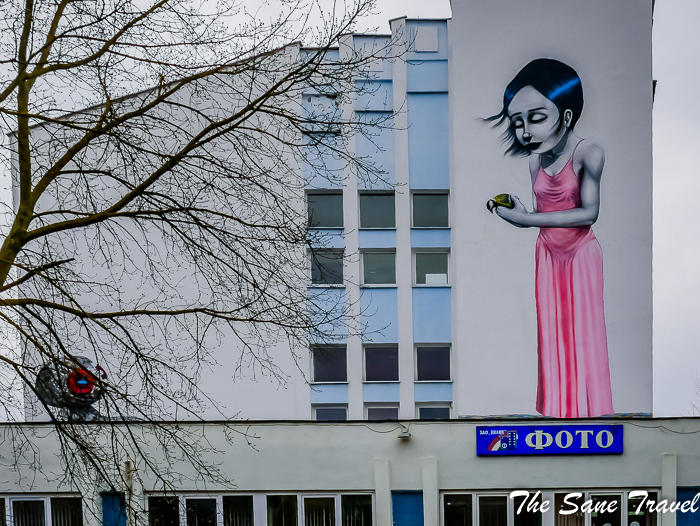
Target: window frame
381	405
362	267
433	405
312	370
415	362
587	494
414	266
324	192
316	407
340	252
42	497
360	193
431	192
364	363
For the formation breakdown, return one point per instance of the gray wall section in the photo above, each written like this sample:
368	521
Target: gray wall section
307	456
609	44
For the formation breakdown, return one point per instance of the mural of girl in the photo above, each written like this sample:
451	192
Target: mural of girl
541	106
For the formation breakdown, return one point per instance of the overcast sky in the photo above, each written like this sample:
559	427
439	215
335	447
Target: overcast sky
676	192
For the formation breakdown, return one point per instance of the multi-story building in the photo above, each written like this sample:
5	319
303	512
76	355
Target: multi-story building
430	410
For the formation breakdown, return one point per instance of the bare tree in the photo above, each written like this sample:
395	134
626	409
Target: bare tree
165	212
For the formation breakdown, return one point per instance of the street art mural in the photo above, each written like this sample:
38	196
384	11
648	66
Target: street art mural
541	107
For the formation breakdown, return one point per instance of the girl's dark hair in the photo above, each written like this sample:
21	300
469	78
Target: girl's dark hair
555	80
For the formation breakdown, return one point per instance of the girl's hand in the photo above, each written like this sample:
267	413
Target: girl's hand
516	215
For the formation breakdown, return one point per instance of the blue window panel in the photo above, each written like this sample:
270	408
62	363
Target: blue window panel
432	314
407	508
690	518
380	318
430	238
376	146
428	141
327	307
326	238
377	238
441	54
322	167
432	392
113	509
380	392
374	95
329	394
427	76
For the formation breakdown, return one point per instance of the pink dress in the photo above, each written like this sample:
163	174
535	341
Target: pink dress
574	375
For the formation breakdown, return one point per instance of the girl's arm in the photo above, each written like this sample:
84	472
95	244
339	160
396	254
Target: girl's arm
592	161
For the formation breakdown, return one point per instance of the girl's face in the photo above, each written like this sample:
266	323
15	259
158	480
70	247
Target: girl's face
536	120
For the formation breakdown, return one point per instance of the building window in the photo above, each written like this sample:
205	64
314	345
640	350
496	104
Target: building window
382	363
377	210
527	517
356	510
644	518
327	267
66	511
330	413
163	511
200	512
379	268
457	510
238	510
282	510
430	210
329	364
383	412
493	511
28	513
431	268
319	511
433	363
325	210
433	412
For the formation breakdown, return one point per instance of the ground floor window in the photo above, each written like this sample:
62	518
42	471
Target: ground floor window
41	511
280	509
585	508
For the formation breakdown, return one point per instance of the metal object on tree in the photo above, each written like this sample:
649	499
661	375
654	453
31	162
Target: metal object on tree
75	389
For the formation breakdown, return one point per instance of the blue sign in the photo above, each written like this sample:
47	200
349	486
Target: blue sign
574	439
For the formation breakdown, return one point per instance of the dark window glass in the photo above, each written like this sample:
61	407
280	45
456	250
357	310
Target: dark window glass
238	510
163	511
201	512
431	269
319	511
434	413
382	364
433	363
281	510
458	510
382	413
327	414
327	267
66	511
28	513
325	210
611	518
330	364
430	210
356	510
379	268
493	511
525	517
377	211
644	518
573	519
2	512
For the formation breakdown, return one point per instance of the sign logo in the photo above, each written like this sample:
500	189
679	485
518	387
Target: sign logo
550	440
